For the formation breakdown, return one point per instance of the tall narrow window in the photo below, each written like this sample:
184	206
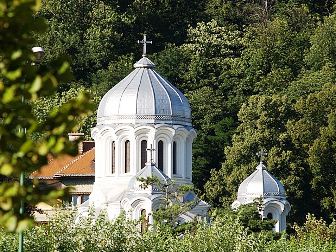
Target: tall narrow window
174	158
127	156
160	155
113	157
143	153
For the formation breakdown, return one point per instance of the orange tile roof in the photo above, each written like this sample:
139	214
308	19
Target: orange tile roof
67	166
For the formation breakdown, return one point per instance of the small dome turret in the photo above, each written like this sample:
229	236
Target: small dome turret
260	184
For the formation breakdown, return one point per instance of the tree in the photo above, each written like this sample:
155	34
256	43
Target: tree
209	66
262	125
225	64
299	138
91	33
323	44
96	33
238	13
43	106
174	201
248	215
274	54
314	132
22	83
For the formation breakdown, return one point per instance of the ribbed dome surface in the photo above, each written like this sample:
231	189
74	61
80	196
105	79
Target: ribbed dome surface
144	97
260	184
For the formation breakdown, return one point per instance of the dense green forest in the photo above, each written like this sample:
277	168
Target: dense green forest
258	74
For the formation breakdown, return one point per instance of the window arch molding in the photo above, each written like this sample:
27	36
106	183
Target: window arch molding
175	155
139	204
121	143
106	155
179	156
141	134
167	147
141	160
273	208
127	156
111	154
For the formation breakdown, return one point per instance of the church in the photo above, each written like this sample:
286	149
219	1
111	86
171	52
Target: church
143	130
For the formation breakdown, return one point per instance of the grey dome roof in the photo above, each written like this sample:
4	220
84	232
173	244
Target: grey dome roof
144	97
260	184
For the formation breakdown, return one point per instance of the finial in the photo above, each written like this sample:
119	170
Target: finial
262	154
144	42
151	149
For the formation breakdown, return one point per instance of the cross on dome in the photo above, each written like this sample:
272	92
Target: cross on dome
144	42
262	154
151	149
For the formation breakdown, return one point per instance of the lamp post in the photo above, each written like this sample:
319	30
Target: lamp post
38	52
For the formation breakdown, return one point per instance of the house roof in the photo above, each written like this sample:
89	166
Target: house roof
68	166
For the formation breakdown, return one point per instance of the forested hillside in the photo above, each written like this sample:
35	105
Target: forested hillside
258	74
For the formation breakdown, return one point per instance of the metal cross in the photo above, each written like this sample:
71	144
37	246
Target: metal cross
144	42
151	153
262	154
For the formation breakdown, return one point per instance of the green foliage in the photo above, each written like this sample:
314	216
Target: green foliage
310	81
262	58
238	13
212	54
21	84
262	125
95	34
250	218
49	104
90	33
224	234
173	202
323	44
316	229
274	54
300	140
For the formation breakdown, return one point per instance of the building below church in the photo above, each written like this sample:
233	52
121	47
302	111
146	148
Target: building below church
67	171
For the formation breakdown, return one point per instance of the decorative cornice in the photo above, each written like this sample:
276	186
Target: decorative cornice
117	119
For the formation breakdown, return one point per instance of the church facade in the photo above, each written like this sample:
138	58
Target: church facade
143	130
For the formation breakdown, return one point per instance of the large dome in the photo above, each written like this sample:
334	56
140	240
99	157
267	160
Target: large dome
144	97
260	184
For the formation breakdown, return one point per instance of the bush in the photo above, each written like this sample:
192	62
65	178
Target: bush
225	233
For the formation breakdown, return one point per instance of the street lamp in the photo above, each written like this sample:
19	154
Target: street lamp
38	52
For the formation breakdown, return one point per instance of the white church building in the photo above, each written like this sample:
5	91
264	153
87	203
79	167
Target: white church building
144	130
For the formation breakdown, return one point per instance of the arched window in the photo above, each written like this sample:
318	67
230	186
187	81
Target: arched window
160	155
113	157
174	158
143	153
270	216
127	156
